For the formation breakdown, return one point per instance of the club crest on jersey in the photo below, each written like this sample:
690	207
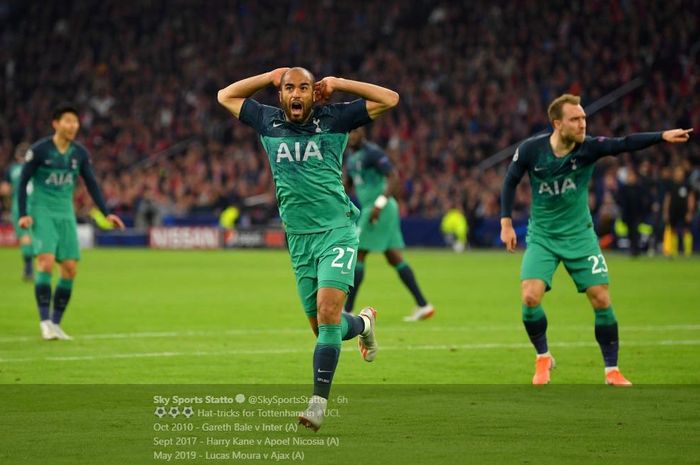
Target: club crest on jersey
60	179
310	151
73	164
556	187
317	122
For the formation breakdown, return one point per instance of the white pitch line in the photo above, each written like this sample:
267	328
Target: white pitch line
409	327
305	350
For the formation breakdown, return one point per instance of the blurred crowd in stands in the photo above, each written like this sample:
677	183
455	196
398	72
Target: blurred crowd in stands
474	78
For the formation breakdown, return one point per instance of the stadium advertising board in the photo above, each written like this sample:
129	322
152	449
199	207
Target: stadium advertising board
256	238
184	238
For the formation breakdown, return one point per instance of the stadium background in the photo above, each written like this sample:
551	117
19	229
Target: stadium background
474	77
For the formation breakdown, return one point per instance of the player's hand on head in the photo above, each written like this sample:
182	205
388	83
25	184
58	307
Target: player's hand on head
276	75
677	136
26	222
323	89
116	221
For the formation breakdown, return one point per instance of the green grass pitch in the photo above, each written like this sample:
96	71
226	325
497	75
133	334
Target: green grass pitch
447	390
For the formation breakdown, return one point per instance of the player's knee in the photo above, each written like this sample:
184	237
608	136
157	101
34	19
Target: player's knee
329	305
531	298
69	271
325	313
532	292
45	263
601	300
329	311
532	295
598	296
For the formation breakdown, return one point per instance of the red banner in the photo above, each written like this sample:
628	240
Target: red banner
7	236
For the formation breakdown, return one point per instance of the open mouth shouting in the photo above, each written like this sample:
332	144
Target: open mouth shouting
296	109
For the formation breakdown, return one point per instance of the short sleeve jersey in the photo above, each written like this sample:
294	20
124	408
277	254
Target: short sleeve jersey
307	162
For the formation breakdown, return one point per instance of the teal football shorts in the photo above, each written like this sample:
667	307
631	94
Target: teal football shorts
325	259
385	233
580	254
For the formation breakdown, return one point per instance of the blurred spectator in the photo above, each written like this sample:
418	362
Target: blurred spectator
679	207
454	227
633	198
474	77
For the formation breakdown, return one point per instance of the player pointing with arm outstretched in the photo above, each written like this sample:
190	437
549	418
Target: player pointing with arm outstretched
305	144
560	229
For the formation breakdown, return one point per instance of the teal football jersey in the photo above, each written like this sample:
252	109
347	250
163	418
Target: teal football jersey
54	176
560	184
307	162
368	168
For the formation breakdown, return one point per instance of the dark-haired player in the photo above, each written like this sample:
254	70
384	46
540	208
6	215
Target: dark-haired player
305	145
53	164
372	175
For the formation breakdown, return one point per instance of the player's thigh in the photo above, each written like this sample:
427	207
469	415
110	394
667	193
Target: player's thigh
337	259
305	271
45	235
68	247
539	262
587	267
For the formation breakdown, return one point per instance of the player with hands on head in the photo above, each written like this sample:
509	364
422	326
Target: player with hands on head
305	144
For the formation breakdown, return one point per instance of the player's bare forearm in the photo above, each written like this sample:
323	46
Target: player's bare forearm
233	96
379	99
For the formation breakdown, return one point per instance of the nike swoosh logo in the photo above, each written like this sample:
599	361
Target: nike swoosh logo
276	125
540	168
324	371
